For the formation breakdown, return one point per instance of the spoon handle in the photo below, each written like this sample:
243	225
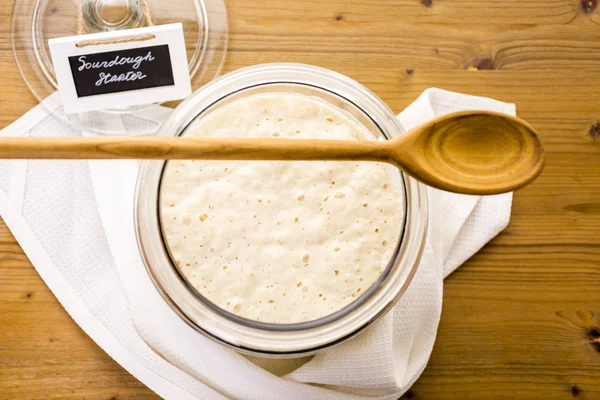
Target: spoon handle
183	148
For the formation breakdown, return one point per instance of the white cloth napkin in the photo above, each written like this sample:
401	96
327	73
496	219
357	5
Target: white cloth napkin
74	221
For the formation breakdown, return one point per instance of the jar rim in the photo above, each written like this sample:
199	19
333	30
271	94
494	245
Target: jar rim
263	338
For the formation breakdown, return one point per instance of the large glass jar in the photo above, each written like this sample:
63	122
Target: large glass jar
270	339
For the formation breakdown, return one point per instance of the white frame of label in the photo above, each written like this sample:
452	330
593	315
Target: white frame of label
171	34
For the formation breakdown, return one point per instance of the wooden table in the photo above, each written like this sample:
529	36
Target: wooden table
521	319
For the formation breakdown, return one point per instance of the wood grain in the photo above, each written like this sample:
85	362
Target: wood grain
520	317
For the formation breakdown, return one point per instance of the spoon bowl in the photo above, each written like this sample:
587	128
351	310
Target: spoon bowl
476	153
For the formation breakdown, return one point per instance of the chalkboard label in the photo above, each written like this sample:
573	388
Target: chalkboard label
119	71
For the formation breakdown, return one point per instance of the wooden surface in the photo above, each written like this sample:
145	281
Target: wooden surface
521	319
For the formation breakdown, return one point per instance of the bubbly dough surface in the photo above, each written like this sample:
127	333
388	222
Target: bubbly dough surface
280	242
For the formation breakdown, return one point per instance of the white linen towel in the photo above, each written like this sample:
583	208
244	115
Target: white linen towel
74	221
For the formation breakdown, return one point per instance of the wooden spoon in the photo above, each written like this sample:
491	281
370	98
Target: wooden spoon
471	152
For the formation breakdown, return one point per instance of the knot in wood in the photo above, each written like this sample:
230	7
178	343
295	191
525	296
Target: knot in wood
594	335
595	131
480	64
589	6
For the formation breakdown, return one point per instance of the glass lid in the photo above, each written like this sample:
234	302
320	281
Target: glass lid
35	21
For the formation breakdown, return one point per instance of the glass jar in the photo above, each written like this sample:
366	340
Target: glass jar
270	339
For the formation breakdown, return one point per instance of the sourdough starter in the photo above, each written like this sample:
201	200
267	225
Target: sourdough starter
280	242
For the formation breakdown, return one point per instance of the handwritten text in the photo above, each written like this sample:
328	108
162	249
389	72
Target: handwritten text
136	61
